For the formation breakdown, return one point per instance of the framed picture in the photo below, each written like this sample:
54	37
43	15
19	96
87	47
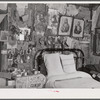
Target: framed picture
65	25
53	18
40	22
3	35
78	27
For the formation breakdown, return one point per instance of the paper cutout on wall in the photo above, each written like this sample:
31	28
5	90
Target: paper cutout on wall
4	52
69	42
12	42
3	35
72	43
21	36
76	44
25	31
24	34
72	10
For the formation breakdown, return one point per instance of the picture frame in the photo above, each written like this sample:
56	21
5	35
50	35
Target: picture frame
65	25
3	36
40	22
78	23
53	20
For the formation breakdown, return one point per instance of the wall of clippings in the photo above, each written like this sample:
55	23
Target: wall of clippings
44	26
68	18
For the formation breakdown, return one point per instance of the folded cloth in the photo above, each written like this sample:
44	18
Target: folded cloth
90	67
93	72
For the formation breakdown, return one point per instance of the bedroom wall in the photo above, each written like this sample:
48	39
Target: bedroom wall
83	13
77	42
43	36
95	23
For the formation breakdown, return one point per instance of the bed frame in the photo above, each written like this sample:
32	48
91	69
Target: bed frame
38	58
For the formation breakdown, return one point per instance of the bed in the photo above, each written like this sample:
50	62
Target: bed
63	68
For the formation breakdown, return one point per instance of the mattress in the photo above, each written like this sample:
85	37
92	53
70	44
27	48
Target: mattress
73	80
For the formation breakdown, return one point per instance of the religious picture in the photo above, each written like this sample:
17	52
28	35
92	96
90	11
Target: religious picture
40	23
78	28
65	25
53	17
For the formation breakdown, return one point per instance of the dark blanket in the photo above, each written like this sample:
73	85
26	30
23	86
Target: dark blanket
92	68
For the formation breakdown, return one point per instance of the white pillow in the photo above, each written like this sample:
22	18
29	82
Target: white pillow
68	63
53	64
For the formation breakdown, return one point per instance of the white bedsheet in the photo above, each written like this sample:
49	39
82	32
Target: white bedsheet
73	80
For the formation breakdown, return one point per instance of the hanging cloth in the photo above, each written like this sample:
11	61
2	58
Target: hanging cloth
96	18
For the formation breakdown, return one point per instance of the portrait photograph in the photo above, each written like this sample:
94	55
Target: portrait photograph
65	25
78	27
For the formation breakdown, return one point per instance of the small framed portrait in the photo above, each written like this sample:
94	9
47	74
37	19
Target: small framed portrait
9	54
78	27
65	25
3	35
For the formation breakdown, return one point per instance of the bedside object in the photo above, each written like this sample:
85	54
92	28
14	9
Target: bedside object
32	81
11	83
3	82
97	77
